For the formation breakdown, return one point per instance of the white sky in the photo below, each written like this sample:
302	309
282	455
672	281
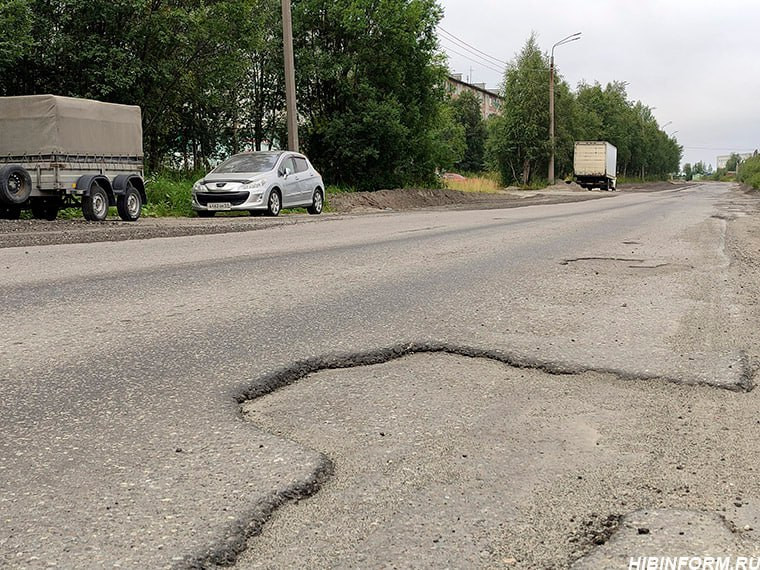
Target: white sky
697	62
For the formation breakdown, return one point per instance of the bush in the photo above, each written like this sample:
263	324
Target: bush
749	172
169	194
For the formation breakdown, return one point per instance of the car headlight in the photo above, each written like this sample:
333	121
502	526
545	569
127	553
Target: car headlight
253	185
198	186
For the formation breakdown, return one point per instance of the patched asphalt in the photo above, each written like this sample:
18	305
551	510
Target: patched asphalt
451	461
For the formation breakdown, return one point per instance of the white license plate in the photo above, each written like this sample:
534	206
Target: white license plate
219	206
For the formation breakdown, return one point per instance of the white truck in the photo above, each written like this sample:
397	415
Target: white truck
595	165
58	152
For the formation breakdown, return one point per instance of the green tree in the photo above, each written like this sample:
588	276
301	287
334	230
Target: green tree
687	171
565	127
699	168
467	113
518	141
449	140
16	19
178	60
749	173
370	85
606	114
733	162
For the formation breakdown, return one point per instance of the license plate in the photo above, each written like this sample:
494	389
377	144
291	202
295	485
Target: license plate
219	206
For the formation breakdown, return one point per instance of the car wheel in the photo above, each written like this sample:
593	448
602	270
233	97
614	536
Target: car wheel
274	204
95	206
317	203
129	204
205	213
45	208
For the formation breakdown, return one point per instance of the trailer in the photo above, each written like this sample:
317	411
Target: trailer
595	165
59	152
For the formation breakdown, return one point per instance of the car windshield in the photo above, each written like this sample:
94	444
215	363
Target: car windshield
247	163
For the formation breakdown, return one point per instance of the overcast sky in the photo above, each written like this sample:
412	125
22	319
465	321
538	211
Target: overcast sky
696	62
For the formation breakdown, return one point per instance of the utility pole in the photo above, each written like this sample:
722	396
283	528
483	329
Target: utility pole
290	76
551	120
563	41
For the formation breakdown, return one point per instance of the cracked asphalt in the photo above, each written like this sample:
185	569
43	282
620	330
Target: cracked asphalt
122	441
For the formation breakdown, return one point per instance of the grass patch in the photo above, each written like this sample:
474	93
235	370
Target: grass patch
169	195
480	183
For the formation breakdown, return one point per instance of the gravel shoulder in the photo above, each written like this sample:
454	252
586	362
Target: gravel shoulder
21	233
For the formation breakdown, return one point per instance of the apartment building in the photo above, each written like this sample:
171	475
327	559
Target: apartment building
490	100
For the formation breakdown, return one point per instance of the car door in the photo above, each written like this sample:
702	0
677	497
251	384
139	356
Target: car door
305	181
289	182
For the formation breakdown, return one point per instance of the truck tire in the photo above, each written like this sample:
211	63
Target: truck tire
45	208
15	185
95	204
129	204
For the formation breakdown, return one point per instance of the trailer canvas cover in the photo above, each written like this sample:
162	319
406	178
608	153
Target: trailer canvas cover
37	125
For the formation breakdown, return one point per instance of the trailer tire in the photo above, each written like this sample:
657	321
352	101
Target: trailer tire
15	185
95	204
129	204
45	208
10	212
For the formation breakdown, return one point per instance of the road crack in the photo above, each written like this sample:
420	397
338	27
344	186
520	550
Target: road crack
226	551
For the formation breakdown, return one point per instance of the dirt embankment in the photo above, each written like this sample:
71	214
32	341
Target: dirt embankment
15	233
409	199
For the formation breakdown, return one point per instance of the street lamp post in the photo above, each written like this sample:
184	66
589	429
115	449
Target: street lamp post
563	41
290	76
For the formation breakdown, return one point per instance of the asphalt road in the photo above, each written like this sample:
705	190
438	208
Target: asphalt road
122	441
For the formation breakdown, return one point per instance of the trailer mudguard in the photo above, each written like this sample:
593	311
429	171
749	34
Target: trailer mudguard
84	183
121	181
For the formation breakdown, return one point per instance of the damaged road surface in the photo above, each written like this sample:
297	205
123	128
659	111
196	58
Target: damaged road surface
458	462
168	403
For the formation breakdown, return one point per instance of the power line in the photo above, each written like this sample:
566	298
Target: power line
474	57
479	62
469	47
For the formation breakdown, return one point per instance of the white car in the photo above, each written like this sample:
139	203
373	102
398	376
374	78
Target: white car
260	182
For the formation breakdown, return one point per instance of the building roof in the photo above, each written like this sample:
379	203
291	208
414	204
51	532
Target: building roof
477	87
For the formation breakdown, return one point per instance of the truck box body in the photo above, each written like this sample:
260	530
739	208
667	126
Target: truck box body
595	163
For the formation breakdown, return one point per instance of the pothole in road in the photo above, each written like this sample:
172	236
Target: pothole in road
582	259
666	535
447	460
600	263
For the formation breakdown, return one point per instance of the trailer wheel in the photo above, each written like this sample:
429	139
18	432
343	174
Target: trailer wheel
45	208
15	184
95	205
10	212
129	204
